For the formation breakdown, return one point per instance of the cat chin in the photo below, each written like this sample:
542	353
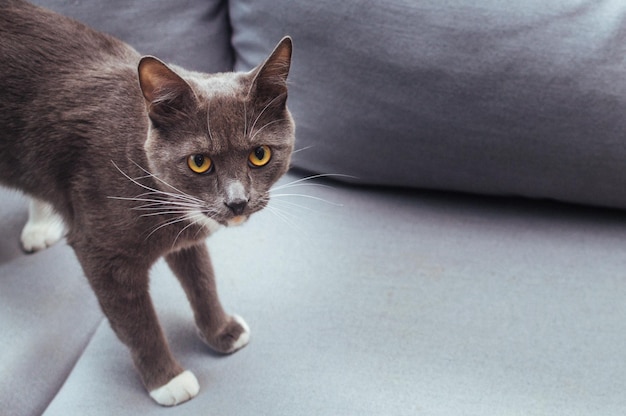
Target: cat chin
213	225
208	223
238	220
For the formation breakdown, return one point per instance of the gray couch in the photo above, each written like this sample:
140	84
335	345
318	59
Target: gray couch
473	261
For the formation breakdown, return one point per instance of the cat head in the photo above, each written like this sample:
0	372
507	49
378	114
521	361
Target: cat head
220	140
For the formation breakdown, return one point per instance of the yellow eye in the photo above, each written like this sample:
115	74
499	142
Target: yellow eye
260	156
199	163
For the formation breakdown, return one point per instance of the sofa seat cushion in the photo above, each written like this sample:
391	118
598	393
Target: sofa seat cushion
393	303
48	314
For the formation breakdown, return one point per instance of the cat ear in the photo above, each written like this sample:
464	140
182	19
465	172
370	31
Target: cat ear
166	93
270	78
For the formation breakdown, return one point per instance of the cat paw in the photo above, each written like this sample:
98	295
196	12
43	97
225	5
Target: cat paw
231	337
37	236
178	390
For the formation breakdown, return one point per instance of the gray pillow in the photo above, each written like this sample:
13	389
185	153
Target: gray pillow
192	33
507	98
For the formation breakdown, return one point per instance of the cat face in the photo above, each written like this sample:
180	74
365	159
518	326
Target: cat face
218	142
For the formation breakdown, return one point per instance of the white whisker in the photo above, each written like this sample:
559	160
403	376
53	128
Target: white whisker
263	111
167	223
203	226
298	185
208	121
162	208
132	180
155	202
245	118
180	193
194	222
176	206
266	125
152	214
182	197
293	204
312	177
307	196
303	148
285	217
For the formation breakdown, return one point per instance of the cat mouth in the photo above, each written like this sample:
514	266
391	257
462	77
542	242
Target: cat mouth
229	221
236	220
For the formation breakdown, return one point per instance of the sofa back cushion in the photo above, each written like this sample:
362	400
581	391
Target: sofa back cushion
194	34
506	98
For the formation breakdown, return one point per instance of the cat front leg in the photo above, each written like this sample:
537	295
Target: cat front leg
121	286
43	228
220	331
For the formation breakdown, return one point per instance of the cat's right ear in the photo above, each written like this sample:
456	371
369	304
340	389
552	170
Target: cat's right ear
270	78
167	95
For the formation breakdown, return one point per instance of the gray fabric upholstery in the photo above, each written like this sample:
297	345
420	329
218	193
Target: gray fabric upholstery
47	315
192	33
394	303
381	301
523	98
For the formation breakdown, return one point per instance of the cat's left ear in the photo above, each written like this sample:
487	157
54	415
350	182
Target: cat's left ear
167	95
270	78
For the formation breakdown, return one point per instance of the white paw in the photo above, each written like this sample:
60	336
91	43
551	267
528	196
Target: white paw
43	228
244	338
179	389
223	341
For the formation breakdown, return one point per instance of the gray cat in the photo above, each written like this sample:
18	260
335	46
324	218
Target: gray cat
132	160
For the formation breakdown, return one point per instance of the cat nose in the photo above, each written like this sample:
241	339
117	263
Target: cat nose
236	198
237	206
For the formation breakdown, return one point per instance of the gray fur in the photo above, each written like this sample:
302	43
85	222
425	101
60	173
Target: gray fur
103	135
